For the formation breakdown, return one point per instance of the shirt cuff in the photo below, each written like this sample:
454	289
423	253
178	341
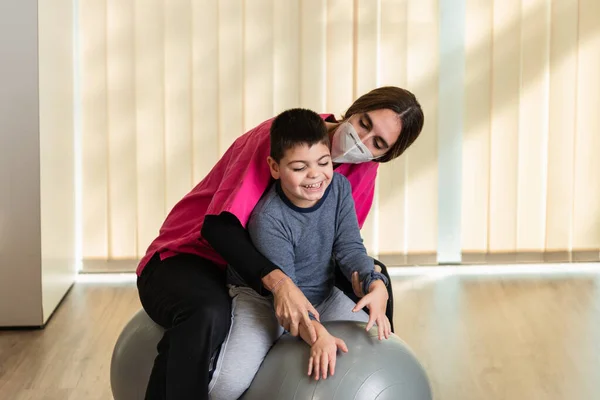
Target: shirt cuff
371	277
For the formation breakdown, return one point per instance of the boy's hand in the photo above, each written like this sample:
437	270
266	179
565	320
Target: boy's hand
323	355
376	302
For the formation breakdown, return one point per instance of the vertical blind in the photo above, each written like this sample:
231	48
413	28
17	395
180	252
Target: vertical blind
531	171
167	86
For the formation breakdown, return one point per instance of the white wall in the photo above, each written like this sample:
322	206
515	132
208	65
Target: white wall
57	140
20	250
36	161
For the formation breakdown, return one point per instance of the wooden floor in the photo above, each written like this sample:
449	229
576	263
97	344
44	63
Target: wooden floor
70	358
479	338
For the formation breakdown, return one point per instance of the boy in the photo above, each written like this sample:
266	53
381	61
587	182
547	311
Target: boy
303	219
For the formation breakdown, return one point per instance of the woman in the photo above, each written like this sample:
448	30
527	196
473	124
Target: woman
181	278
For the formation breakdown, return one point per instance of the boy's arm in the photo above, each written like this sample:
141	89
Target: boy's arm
271	239
348	248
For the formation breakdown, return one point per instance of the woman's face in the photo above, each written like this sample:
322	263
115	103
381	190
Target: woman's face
377	129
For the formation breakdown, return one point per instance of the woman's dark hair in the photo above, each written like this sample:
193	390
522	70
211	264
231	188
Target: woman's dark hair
403	103
296	126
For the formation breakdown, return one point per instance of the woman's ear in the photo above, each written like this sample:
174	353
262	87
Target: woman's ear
274	167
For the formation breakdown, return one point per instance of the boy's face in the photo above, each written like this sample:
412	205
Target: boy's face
305	172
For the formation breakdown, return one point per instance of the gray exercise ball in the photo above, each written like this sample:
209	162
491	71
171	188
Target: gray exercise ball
371	369
133	357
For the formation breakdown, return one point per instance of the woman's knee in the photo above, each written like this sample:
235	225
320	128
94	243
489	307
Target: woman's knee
210	317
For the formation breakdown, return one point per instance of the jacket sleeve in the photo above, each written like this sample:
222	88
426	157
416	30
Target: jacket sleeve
231	240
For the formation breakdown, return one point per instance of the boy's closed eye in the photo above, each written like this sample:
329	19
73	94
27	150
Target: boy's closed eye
303	168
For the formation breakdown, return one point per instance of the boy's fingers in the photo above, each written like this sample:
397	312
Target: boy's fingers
332	365
310	365
342	345
324	364
371	322
362	303
317	364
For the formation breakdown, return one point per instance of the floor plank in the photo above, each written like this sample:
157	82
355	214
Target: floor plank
70	358
483	337
505	338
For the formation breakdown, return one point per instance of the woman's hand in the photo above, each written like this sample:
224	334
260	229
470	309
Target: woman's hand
323	355
357	285
292	307
376	302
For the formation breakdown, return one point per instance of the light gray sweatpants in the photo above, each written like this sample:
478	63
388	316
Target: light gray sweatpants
254	329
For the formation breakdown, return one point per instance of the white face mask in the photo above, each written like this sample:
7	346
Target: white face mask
346	146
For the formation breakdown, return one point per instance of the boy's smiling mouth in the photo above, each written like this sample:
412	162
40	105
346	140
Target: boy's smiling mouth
313	186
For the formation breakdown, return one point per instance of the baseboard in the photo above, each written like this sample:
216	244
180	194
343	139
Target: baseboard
100	266
398	259
472	258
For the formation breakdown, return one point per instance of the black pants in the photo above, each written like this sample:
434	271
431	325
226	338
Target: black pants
187	296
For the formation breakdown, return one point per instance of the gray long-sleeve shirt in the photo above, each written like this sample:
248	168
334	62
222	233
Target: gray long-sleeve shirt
301	241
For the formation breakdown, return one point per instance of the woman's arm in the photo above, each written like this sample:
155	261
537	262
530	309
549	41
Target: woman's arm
220	231
228	237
